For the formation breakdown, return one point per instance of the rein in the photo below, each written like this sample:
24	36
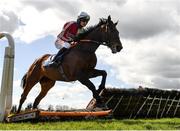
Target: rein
106	43
93	41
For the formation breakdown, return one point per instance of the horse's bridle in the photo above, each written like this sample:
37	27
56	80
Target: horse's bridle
105	42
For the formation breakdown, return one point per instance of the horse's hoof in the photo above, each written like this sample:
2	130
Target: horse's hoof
17	112
102	106
101	89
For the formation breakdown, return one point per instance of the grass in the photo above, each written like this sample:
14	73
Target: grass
111	124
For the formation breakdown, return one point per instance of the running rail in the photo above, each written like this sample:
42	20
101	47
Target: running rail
7	77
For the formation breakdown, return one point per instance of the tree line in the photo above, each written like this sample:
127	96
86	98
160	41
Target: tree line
49	108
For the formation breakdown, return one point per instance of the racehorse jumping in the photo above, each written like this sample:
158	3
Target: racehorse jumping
78	64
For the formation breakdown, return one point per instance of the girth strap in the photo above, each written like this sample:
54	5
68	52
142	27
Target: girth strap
62	73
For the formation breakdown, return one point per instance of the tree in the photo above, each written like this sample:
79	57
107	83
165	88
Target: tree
14	109
50	108
58	107
29	106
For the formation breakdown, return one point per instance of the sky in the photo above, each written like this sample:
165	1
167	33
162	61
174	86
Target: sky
149	31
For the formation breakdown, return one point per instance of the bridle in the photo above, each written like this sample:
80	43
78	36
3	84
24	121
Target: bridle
107	35
104	42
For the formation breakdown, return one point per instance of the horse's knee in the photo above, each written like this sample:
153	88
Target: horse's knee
104	73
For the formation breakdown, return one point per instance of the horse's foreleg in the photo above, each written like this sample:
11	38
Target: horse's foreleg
91	87
46	85
95	73
83	79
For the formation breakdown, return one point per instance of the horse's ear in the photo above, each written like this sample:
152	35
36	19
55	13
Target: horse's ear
109	18
102	21
116	23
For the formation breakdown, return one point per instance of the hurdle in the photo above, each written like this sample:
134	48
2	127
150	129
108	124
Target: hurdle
42	115
132	103
7	77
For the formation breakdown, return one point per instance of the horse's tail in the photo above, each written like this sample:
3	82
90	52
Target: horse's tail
36	63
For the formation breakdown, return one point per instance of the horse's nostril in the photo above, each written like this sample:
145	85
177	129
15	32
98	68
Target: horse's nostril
119	48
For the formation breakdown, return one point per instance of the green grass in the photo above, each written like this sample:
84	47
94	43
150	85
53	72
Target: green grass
111	124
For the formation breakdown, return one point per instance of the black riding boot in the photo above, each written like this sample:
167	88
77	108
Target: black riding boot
58	58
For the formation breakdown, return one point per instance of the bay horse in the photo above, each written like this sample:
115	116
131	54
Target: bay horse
78	64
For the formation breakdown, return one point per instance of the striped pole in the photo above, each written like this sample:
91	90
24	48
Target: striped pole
7	77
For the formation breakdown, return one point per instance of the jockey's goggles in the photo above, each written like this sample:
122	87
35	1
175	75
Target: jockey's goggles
84	19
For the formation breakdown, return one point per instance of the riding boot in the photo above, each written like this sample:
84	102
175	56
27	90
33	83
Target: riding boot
58	58
60	55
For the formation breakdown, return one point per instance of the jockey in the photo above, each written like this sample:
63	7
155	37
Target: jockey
66	37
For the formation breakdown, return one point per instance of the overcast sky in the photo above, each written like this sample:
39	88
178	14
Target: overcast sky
149	31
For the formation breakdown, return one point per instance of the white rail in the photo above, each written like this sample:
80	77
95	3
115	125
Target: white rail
7	77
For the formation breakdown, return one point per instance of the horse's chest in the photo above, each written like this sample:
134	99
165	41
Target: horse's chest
89	60
83	62
79	63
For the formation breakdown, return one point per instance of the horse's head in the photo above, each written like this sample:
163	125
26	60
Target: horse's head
111	35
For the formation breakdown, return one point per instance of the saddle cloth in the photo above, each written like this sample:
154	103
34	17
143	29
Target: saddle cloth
50	58
61	70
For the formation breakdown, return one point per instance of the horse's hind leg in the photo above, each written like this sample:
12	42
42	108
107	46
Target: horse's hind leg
46	85
28	86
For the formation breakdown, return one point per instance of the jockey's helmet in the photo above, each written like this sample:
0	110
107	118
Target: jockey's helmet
83	16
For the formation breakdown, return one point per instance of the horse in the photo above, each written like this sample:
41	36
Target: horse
78	64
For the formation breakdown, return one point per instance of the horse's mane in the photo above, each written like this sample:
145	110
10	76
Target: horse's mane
88	30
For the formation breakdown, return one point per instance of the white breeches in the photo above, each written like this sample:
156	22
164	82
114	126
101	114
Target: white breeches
60	44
